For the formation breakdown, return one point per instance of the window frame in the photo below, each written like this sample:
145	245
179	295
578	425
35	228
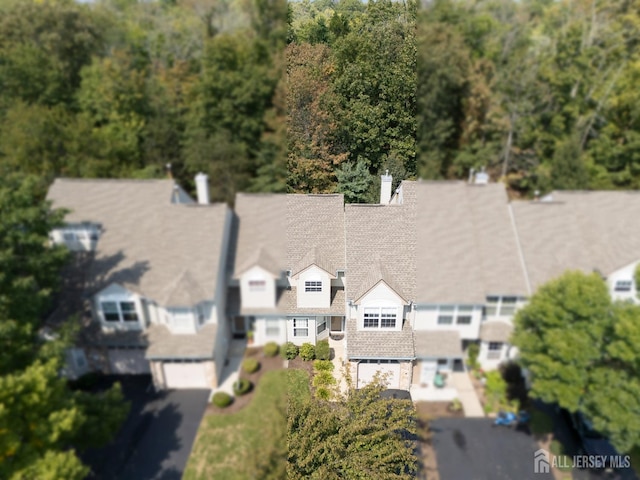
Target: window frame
375	318
257	285
296	327
121	312
269	327
501	305
494	350
313	286
627	286
321	323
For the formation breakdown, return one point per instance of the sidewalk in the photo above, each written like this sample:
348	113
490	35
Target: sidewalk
231	370
339	356
467	395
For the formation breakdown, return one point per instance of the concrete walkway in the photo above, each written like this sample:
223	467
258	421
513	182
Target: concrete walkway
339	360
467	395
231	370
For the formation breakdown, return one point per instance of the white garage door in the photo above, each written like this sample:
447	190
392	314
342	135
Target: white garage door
368	368
128	361
185	375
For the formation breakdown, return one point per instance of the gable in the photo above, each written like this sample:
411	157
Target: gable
381	293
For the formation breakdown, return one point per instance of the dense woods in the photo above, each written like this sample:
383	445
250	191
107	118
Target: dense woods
322	96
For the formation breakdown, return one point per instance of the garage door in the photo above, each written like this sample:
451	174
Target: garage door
368	369
185	375
128	361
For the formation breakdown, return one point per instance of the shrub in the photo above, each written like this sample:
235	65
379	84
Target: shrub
250	365
290	351
456	405
241	386
307	351
323	366
323	352
496	390
473	351
222	399
540	423
323	379
323	393
271	349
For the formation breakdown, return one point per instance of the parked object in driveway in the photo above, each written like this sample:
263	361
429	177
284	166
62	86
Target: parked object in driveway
592	442
509	419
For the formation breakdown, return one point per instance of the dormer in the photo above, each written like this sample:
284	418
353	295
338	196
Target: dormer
380	308
119	309
622	284
258	288
77	237
313	287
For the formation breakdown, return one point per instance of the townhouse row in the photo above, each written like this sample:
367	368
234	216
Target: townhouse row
162	283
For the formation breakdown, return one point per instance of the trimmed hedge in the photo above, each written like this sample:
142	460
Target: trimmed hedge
271	349
290	351
323	366
323	352
222	399
323	393
250	365
307	352
241	386
323	379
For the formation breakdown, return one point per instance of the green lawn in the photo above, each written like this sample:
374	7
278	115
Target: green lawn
228	446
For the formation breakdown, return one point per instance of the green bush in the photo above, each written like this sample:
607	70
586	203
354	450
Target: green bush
307	352
290	351
323	393
473	351
496	391
250	365
271	349
323	365
323	379
241	386
221	399
540	423
323	352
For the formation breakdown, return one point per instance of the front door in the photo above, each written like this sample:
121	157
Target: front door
239	327
337	324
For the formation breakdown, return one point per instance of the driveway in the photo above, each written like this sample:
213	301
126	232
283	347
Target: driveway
472	449
156	438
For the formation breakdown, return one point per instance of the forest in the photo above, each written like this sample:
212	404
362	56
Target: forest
322	96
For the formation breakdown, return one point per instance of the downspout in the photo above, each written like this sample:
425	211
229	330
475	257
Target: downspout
520	253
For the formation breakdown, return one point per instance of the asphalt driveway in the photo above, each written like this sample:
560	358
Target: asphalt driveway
156	439
472	449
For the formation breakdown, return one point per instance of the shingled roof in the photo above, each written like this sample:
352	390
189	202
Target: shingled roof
315	232
467	246
578	230
381	245
262	224
147	244
363	344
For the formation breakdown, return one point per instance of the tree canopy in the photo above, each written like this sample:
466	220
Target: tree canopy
359	436
578	346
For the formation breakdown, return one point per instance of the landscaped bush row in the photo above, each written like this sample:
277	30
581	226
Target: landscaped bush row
307	351
222	399
271	349
250	365
241	386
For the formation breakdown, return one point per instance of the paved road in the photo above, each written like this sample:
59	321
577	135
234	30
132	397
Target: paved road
472	449
156	439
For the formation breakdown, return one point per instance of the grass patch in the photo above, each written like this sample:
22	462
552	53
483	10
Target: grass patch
245	444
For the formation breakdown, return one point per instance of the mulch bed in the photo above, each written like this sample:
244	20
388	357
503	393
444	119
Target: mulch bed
300	364
431	410
267	364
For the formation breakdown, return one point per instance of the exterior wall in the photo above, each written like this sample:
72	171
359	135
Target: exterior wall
260	332
380	296
314	299
492	364
258	299
626	273
311	338
116	293
521	302
427	319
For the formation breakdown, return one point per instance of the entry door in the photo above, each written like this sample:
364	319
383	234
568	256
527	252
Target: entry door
429	368
239	325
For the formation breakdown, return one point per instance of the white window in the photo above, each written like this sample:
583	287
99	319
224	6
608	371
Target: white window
500	306
464	315
495	350
69	237
380	317
445	315
300	327
272	328
623	286
321	326
313	286
257	285
119	311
